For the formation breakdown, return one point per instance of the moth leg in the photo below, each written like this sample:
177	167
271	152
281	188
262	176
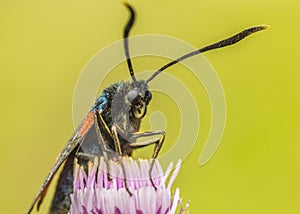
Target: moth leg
158	144
103	124
116	140
119	151
100	123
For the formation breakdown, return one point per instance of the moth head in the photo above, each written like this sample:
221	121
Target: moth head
139	98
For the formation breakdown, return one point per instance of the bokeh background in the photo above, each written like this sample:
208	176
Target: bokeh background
45	45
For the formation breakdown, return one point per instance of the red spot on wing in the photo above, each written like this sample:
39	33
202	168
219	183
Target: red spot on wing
87	123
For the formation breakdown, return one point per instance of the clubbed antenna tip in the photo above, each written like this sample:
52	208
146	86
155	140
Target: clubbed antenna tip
223	43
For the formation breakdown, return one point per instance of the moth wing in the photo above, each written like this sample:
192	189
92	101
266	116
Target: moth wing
74	141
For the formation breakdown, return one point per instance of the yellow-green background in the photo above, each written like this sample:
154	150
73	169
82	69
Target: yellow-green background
45	44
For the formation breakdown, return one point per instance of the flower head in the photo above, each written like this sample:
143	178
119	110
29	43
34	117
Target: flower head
96	193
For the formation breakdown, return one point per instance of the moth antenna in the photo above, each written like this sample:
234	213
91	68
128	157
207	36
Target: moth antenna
223	43
126	33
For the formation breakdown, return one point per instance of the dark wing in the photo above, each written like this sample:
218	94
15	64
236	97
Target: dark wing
85	152
72	143
61	201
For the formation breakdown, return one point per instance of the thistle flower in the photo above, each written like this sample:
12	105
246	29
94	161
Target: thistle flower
95	193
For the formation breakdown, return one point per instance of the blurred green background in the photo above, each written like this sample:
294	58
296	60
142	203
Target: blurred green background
45	44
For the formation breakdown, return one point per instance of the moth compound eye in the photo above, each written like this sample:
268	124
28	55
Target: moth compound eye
148	96
132	95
